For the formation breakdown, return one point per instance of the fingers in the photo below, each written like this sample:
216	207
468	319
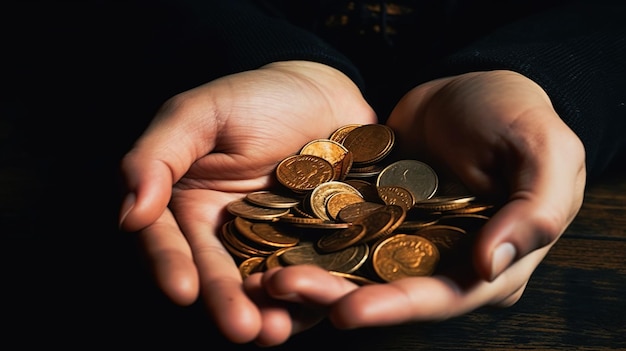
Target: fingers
407	300
292	300
169	258
427	299
200	215
317	284
546	192
514	231
275	320
280	319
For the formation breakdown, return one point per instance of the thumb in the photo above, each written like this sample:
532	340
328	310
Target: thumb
149	188
159	158
535	216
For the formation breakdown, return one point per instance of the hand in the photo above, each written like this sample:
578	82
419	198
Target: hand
499	134
211	145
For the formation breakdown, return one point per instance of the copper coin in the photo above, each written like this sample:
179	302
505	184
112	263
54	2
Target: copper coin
404	255
396	195
245	209
301	173
340	239
335	153
271	199
369	143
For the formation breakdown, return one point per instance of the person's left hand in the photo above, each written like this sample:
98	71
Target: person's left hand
500	135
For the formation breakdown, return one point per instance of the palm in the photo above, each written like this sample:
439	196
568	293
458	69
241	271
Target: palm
210	145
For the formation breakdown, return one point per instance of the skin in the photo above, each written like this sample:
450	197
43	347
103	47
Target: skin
496	131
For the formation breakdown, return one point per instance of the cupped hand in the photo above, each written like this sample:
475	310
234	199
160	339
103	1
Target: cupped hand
211	145
498	133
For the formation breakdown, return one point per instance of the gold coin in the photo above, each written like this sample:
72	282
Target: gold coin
302	173
320	194
338	201
404	255
416	176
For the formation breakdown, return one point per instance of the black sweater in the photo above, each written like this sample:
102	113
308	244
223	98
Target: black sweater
575	51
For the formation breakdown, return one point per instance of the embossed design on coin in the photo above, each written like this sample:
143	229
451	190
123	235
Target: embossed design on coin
302	173
398	217
404	255
396	195
336	154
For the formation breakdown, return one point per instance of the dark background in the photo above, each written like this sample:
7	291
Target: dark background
79	83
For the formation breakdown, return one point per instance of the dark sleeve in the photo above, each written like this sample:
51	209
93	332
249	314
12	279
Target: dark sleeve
577	53
247	34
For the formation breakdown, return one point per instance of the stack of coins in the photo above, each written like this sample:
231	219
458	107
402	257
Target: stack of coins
343	204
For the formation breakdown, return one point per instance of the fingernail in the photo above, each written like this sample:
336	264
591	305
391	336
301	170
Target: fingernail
502	258
127	206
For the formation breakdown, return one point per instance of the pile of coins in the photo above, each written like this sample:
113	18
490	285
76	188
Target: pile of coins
343	204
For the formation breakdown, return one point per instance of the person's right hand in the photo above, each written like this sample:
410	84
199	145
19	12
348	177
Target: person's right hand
211	145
